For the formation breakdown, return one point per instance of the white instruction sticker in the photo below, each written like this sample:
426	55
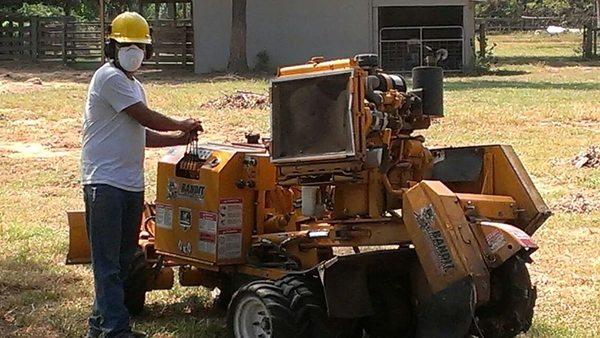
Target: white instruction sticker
207	243
495	240
164	216
230	213
230	244
208	222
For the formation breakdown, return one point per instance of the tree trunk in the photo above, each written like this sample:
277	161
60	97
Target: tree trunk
238	62
68	7
597	13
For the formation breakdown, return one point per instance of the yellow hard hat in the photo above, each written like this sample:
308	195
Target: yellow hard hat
130	27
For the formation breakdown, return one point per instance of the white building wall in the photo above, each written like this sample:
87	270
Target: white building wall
469	31
293	31
212	30
289	31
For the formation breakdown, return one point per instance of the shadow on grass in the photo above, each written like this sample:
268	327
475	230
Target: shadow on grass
486	84
553	61
189	317
30	294
543	328
38	301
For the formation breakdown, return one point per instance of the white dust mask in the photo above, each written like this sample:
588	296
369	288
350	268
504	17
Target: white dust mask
131	58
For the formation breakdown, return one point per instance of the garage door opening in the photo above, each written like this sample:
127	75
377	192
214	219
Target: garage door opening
406	32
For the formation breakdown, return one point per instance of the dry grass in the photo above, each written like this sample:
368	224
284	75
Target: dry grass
541	99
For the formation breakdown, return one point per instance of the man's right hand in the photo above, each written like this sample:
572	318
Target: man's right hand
189	125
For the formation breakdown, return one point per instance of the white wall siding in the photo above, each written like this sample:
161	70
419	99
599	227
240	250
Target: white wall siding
469	31
212	27
292	31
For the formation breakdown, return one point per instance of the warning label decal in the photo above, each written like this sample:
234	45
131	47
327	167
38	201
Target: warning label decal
230	244
207	243
208	232
208	221
230	213
495	240
164	216
230	228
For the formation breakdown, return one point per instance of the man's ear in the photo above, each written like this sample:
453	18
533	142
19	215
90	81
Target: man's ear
149	52
110	50
149	48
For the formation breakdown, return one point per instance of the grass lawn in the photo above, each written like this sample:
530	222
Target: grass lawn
540	99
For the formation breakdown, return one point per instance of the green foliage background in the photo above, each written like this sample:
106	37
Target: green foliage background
85	10
573	13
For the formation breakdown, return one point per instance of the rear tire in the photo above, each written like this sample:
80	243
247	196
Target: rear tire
510	309
308	305
259	309
135	285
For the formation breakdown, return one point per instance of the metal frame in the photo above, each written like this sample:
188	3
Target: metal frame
423	41
331	156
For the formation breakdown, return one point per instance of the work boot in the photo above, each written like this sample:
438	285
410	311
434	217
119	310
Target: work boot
132	334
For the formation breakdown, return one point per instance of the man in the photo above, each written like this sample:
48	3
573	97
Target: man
117	126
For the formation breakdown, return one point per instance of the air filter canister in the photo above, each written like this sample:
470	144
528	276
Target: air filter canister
431	80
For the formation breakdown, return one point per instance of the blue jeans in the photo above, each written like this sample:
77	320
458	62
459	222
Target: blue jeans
113	218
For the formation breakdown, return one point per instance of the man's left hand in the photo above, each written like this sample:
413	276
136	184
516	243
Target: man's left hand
187	137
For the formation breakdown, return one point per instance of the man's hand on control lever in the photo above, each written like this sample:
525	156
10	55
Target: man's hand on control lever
189	125
189	130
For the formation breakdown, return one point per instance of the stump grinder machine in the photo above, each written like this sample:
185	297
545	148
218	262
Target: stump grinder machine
343	223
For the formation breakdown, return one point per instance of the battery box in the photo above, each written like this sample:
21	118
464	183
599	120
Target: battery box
205	201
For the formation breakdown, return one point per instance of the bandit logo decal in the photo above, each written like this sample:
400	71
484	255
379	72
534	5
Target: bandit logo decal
185	190
426	220
192	191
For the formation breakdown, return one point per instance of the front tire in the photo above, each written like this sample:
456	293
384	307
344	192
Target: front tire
259	309
510	309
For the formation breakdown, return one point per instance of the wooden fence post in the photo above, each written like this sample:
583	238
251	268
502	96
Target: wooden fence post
595	33
34	25
64	40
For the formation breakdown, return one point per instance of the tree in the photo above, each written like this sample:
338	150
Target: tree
238	62
598	13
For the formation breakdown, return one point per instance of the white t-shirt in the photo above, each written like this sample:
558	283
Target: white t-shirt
113	142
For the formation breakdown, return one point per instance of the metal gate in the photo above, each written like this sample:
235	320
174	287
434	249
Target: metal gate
402	48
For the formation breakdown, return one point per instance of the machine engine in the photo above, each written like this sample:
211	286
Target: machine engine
350	126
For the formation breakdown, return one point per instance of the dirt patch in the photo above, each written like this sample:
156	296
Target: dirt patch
28	150
589	158
19	87
20	72
239	100
577	203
